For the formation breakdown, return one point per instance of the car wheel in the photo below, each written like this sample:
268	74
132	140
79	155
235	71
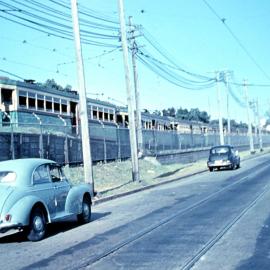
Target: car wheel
37	225
210	169
85	216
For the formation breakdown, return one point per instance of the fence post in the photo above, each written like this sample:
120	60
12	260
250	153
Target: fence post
11	136
155	140
118	142
179	140
12	141
104	142
40	136
66	140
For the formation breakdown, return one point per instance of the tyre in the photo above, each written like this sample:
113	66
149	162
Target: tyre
85	216
210	169
37	225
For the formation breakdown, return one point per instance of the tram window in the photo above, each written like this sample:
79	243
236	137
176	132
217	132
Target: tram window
94	114
48	105
64	108
40	104
32	102
111	117
100	115
22	101
106	116
56	107
6	96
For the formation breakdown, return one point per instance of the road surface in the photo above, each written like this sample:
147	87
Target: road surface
218	220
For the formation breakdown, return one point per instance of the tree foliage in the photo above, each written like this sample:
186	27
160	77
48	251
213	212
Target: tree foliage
185	114
52	84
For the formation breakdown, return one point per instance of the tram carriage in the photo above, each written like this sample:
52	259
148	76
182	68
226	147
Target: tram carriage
24	102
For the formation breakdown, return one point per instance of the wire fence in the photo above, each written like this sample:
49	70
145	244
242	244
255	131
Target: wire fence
108	142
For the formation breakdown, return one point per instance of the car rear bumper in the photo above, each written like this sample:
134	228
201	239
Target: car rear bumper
215	164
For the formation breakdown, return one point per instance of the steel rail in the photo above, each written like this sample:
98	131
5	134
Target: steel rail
165	221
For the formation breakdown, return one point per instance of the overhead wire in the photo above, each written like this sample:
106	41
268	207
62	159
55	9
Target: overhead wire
171	77
58	26
155	44
223	21
12	74
147	55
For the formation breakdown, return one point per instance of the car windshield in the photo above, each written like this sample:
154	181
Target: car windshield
220	150
7	177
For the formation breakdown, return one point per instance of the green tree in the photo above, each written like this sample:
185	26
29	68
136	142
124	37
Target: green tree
169	112
182	114
157	112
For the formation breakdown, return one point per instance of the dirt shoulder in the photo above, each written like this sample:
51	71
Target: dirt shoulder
115	178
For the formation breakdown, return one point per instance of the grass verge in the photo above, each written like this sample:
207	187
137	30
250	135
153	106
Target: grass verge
116	177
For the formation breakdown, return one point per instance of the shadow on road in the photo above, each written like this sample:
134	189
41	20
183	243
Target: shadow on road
168	173
260	257
53	229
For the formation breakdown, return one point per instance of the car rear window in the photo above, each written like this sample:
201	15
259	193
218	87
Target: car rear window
220	150
7	177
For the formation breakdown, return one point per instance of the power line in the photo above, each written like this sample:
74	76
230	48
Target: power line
171	77
206	79
31	66
223	21
12	74
59	25
89	58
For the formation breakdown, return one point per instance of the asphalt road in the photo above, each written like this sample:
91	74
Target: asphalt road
218	220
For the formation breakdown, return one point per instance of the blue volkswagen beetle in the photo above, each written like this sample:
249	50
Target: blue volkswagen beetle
35	192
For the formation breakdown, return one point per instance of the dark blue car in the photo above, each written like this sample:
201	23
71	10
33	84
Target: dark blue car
223	156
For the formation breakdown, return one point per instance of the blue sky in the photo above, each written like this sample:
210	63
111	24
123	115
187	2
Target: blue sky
189	32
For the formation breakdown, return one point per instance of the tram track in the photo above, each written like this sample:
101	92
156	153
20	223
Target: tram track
189	263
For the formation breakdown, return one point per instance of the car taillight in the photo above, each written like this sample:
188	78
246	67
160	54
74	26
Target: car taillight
8	218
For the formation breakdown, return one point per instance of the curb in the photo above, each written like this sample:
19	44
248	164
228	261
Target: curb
109	198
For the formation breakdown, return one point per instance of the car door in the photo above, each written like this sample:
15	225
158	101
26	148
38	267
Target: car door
61	189
43	188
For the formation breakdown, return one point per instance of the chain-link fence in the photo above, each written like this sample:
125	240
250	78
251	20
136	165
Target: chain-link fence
108	142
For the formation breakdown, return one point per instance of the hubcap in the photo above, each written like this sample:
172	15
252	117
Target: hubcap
38	223
85	210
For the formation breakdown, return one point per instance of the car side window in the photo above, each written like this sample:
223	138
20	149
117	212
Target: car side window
55	173
41	175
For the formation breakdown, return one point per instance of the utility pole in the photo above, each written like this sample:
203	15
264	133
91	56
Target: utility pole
86	148
130	99
228	110
251	143
221	135
259	125
137	92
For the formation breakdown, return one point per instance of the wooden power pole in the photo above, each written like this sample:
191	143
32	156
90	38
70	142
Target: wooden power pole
130	98
86	148
251	142
137	92
221	135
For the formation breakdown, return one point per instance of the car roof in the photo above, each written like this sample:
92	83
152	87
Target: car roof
23	168
221	146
